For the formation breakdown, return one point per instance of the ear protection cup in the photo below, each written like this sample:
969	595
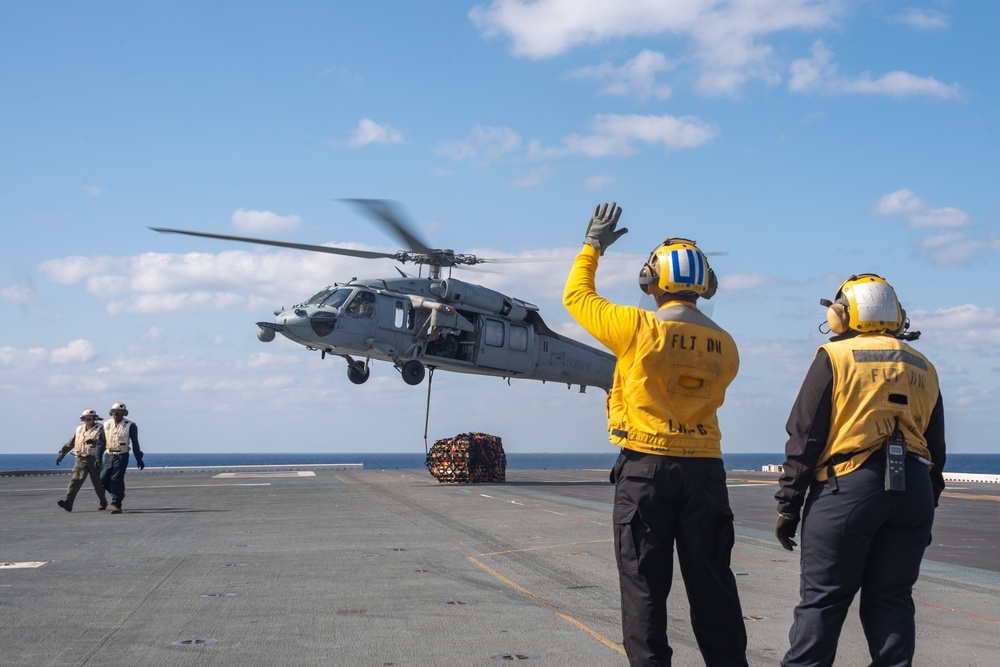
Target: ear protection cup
838	317
713	285
904	322
646	278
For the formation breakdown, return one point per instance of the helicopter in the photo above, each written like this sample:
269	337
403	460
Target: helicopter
420	323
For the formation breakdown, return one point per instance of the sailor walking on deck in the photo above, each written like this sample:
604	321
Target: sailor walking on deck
118	433
863	469
673	368
87	445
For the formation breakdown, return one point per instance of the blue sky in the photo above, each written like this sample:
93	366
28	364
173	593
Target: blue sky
808	140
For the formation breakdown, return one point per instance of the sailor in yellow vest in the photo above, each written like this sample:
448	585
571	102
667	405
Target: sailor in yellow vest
87	445
863	470
673	368
118	433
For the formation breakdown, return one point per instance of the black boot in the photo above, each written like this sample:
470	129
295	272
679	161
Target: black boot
65	505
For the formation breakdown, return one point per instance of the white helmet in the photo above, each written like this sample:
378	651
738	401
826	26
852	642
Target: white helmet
91	413
118	407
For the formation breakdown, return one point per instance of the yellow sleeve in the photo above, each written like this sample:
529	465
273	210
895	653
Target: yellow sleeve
613	325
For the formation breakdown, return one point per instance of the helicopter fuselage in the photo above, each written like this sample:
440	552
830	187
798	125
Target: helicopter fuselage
439	324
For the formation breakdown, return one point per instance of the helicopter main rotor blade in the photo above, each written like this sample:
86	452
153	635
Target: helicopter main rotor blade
388	213
365	254
521	260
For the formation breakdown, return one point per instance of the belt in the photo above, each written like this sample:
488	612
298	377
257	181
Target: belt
836	459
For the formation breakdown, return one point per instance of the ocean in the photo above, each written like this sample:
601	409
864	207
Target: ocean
988	464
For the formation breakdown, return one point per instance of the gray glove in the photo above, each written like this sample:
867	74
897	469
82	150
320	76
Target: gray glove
785	529
601	230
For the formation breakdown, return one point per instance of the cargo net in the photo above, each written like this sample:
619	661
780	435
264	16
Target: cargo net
468	458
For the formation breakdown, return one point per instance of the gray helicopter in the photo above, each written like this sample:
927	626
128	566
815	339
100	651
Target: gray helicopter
433	322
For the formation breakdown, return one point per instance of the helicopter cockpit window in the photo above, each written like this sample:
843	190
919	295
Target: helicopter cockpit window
518	337
362	305
494	333
330	297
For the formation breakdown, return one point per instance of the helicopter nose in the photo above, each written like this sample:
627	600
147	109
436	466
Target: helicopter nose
296	319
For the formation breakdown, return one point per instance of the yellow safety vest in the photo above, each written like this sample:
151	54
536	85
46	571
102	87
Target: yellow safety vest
672	372
876	378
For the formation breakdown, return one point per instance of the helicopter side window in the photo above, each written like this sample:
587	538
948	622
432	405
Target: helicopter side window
494	333
363	305
518	337
403	315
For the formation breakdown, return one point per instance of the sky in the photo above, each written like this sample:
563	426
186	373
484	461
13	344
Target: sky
805	140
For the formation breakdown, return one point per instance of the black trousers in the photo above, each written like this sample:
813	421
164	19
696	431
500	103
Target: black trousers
660	501
861	538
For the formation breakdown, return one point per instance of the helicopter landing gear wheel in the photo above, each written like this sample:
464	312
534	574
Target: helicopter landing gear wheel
412	372
358	376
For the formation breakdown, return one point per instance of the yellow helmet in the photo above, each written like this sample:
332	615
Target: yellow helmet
865	303
679	267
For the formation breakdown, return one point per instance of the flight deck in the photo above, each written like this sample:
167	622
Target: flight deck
339	565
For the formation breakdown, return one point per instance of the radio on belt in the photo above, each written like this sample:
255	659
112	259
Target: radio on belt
895	460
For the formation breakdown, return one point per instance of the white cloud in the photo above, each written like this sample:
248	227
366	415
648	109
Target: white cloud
967	327
69	270
918	214
77	351
19	294
726	35
369	132
255	222
482	145
92	190
269	360
29	360
818	73
921	19
17	359
956	247
232	279
636	77
614	134
951	244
